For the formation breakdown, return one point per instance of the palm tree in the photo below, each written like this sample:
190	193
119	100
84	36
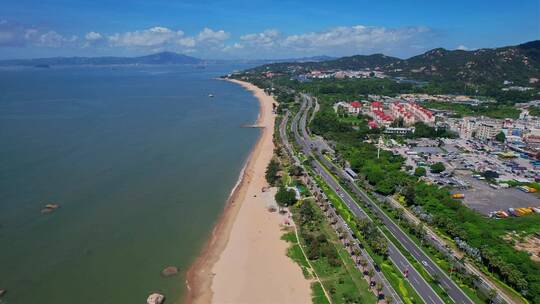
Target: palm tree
492	295
421	233
363	263
371	273
379	287
399	213
357	254
339	231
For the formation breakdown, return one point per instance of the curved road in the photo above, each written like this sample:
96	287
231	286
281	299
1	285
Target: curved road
455	293
423	289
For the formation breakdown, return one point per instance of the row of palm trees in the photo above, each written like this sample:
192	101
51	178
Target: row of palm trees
351	247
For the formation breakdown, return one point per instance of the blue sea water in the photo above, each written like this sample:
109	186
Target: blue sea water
141	161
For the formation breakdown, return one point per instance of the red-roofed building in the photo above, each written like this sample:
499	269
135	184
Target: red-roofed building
352	108
382	118
398	110
422	114
376	106
372	124
355	107
378	114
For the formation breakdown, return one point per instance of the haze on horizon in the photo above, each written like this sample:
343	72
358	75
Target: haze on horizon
257	29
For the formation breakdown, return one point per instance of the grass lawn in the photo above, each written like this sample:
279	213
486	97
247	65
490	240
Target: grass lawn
295	253
344	282
317	294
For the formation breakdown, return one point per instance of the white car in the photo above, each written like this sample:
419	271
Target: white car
424	263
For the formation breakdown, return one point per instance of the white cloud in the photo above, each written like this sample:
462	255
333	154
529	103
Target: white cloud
14	34
30	33
162	37
20	35
54	39
210	36
93	36
265	39
462	47
336	41
187	42
152	37
211	43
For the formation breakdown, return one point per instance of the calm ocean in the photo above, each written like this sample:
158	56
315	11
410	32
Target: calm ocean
141	162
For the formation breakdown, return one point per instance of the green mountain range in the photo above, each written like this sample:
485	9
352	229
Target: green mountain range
517	63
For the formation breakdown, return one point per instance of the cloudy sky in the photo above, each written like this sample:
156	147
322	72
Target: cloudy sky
251	29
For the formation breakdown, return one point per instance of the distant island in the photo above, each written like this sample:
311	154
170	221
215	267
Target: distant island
162	58
158	59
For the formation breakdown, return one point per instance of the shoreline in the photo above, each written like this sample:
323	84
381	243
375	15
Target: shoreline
243	229
199	276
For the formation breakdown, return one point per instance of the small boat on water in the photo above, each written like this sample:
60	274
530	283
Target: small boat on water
211	95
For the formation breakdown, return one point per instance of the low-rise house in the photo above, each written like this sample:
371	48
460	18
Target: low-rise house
398	110
398	131
354	107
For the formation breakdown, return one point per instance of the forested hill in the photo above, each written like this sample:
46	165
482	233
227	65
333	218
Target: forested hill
513	63
356	62
483	66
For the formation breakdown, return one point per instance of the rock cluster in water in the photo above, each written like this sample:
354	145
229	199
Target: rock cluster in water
49	208
169	271
155	298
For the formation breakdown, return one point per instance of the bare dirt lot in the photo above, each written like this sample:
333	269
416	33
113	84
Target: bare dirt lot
529	244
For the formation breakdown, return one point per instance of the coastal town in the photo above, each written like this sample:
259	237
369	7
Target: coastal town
269	152
505	149
428	169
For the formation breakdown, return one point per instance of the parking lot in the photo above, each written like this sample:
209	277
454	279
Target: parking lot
463	159
481	197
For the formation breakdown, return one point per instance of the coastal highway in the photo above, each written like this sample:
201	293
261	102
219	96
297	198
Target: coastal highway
453	291
423	289
378	276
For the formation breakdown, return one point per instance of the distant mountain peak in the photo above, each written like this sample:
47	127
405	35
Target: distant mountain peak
437	52
535	44
165	57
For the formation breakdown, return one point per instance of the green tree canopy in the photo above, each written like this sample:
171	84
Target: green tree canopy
500	137
420	171
271	172
296	170
437	167
285	197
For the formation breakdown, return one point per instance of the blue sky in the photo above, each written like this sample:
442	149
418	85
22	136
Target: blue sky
260	29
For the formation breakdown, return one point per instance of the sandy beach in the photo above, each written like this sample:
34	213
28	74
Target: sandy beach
245	259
